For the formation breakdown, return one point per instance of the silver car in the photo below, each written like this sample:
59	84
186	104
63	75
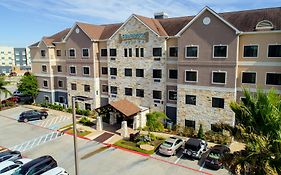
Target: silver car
170	146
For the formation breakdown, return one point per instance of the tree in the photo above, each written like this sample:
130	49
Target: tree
28	85
200	133
259	126
3	89
155	121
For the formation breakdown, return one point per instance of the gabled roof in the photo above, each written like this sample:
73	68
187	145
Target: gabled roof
94	32
153	24
125	107
34	44
109	30
173	25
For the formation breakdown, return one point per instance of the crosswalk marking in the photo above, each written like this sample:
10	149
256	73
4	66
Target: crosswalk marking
37	141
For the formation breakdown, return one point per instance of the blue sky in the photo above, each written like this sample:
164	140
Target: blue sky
24	22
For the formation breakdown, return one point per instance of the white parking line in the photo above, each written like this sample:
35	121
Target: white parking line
178	159
201	168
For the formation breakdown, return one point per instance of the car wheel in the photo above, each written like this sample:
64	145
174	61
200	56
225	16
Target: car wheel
25	120
43	117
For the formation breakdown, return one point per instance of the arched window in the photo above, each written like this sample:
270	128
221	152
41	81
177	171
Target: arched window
264	25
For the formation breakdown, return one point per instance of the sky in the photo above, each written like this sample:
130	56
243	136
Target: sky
24	22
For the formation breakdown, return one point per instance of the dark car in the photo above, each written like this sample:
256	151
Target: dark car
37	166
213	160
12	74
25	99
10	155
194	148
32	115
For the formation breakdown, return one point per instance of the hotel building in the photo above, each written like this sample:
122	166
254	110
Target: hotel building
189	67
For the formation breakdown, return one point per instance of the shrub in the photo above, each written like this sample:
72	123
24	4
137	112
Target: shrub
155	121
217	137
86	121
188	132
200	133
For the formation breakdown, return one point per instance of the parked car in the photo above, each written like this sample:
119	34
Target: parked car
17	93
213	160
194	148
12	74
56	171
170	146
32	115
14	99
10	155
26	99
37	166
13	166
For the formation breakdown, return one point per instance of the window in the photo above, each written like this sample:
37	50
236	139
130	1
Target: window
217	102
43	53
113	89
72	70
172	95
189	123
61	99
137	52
157	52
220	51
157	94
139	92
130	52
58	53
113	71
88	106
45	83
86	70
112	52
273	78
274	51
73	86
128	91
128	72
157	73
173	51
85	52
191	76
173	74
104	88
219	77
44	68
71	53
250	51
141	52
103	52
46	98
104	70
191	52
87	88
139	73
249	77
60	83
125	52
59	68
190	99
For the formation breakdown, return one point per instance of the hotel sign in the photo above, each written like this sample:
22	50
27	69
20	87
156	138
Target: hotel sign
134	36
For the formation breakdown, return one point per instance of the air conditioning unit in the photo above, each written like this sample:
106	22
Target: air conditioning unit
156	101
113	95
112	58
157	59
157	80
113	77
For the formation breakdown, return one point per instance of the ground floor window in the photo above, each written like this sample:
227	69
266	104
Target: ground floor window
217	102
88	106
47	98
61	100
190	123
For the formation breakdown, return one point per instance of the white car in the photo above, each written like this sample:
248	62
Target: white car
56	171
8	167
17	93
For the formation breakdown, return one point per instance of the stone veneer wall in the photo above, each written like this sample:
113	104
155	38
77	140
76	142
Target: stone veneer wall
203	112
147	63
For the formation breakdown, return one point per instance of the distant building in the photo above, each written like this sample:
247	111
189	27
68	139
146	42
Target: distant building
22	59
7	59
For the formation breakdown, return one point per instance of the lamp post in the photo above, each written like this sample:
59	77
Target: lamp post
76	160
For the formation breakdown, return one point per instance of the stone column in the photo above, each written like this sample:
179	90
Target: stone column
112	119
99	123
136	123
124	130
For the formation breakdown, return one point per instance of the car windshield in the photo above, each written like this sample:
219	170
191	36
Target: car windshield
192	147
20	171
167	144
214	154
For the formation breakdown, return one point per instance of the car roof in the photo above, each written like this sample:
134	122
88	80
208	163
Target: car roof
8	152
37	160
23	161
171	139
193	141
54	171
5	164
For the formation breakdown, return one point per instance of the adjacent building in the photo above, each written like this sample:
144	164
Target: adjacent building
190	67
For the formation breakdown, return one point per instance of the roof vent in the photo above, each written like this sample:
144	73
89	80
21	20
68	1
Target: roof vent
264	25
160	15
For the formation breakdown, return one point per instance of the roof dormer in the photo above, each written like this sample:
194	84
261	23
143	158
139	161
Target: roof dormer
264	25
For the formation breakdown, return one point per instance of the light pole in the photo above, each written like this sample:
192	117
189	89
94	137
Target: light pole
76	159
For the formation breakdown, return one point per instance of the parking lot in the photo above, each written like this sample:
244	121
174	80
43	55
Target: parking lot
39	138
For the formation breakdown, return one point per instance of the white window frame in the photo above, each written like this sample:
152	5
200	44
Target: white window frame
169	74
219	71
161	52
41	53
191	70
42	68
70	70
266	76
59	84
106	52
191	46
169	52
89	70
57	52
268	49
74	53
169	96
220	98
251	45
47	83
248	72
88	53
220	45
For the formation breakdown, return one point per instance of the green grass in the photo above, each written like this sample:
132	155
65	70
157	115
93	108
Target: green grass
84	133
65	127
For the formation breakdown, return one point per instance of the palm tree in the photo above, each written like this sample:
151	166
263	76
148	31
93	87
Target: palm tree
3	89
258	119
